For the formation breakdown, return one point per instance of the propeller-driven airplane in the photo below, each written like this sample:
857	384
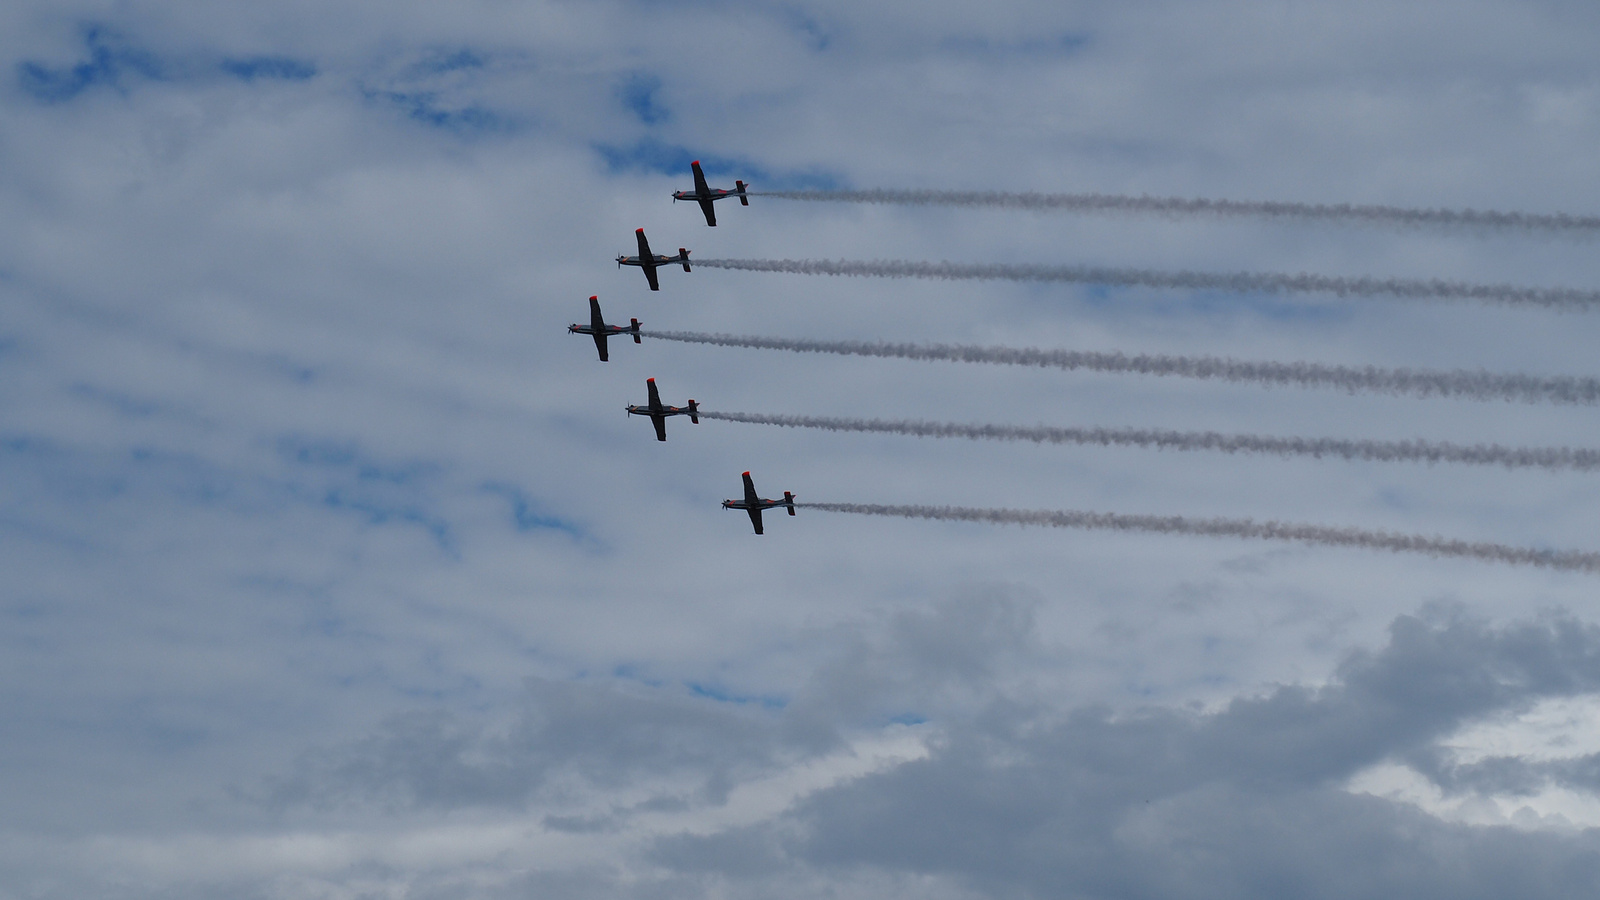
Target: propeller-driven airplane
597	326
649	261
754	505
658	413
704	194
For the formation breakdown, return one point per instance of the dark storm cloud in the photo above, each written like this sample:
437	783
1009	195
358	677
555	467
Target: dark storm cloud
1243	802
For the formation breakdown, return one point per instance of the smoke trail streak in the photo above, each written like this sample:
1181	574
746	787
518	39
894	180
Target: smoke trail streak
1569	560
1460	383
1551	458
1360	214
1565	299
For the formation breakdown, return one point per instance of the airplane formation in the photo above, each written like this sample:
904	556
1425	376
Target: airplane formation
1478	385
649	262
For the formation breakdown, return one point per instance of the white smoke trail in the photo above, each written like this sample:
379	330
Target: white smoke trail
1460	383
1551	458
1565	299
1359	214
1569	560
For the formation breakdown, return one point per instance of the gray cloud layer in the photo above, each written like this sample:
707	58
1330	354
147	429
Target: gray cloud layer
1243	803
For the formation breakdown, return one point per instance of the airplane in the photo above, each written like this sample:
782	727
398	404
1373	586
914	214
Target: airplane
658	414
704	194
754	505
597	326
649	261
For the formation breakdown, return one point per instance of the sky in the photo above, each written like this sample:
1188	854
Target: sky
334	569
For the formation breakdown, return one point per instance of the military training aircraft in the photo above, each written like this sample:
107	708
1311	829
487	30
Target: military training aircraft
597	326
658	414
705	194
649	261
754	505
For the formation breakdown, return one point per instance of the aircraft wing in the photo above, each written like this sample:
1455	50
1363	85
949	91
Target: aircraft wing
661	427
755	519
650	276
600	344
711	213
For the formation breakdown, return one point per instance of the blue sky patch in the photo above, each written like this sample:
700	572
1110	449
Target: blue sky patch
279	68
650	155
525	513
424	107
382	493
1060	45
109	63
343	456
815	35
723	696
377	512
116	400
638	93
447	62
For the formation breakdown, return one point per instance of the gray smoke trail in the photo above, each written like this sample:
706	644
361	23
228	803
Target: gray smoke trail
1361	214
1570	560
1553	458
1565	299
1460	383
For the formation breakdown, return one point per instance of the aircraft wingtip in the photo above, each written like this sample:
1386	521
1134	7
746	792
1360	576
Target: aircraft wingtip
651	380
746	473
638	231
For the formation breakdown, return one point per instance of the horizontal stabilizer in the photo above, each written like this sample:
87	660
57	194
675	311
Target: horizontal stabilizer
683	257
743	200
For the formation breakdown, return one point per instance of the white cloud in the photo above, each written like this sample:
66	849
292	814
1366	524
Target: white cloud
293	443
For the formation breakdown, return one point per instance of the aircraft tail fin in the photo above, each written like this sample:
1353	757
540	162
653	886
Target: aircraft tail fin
683	257
739	187
635	329
788	500
694	412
